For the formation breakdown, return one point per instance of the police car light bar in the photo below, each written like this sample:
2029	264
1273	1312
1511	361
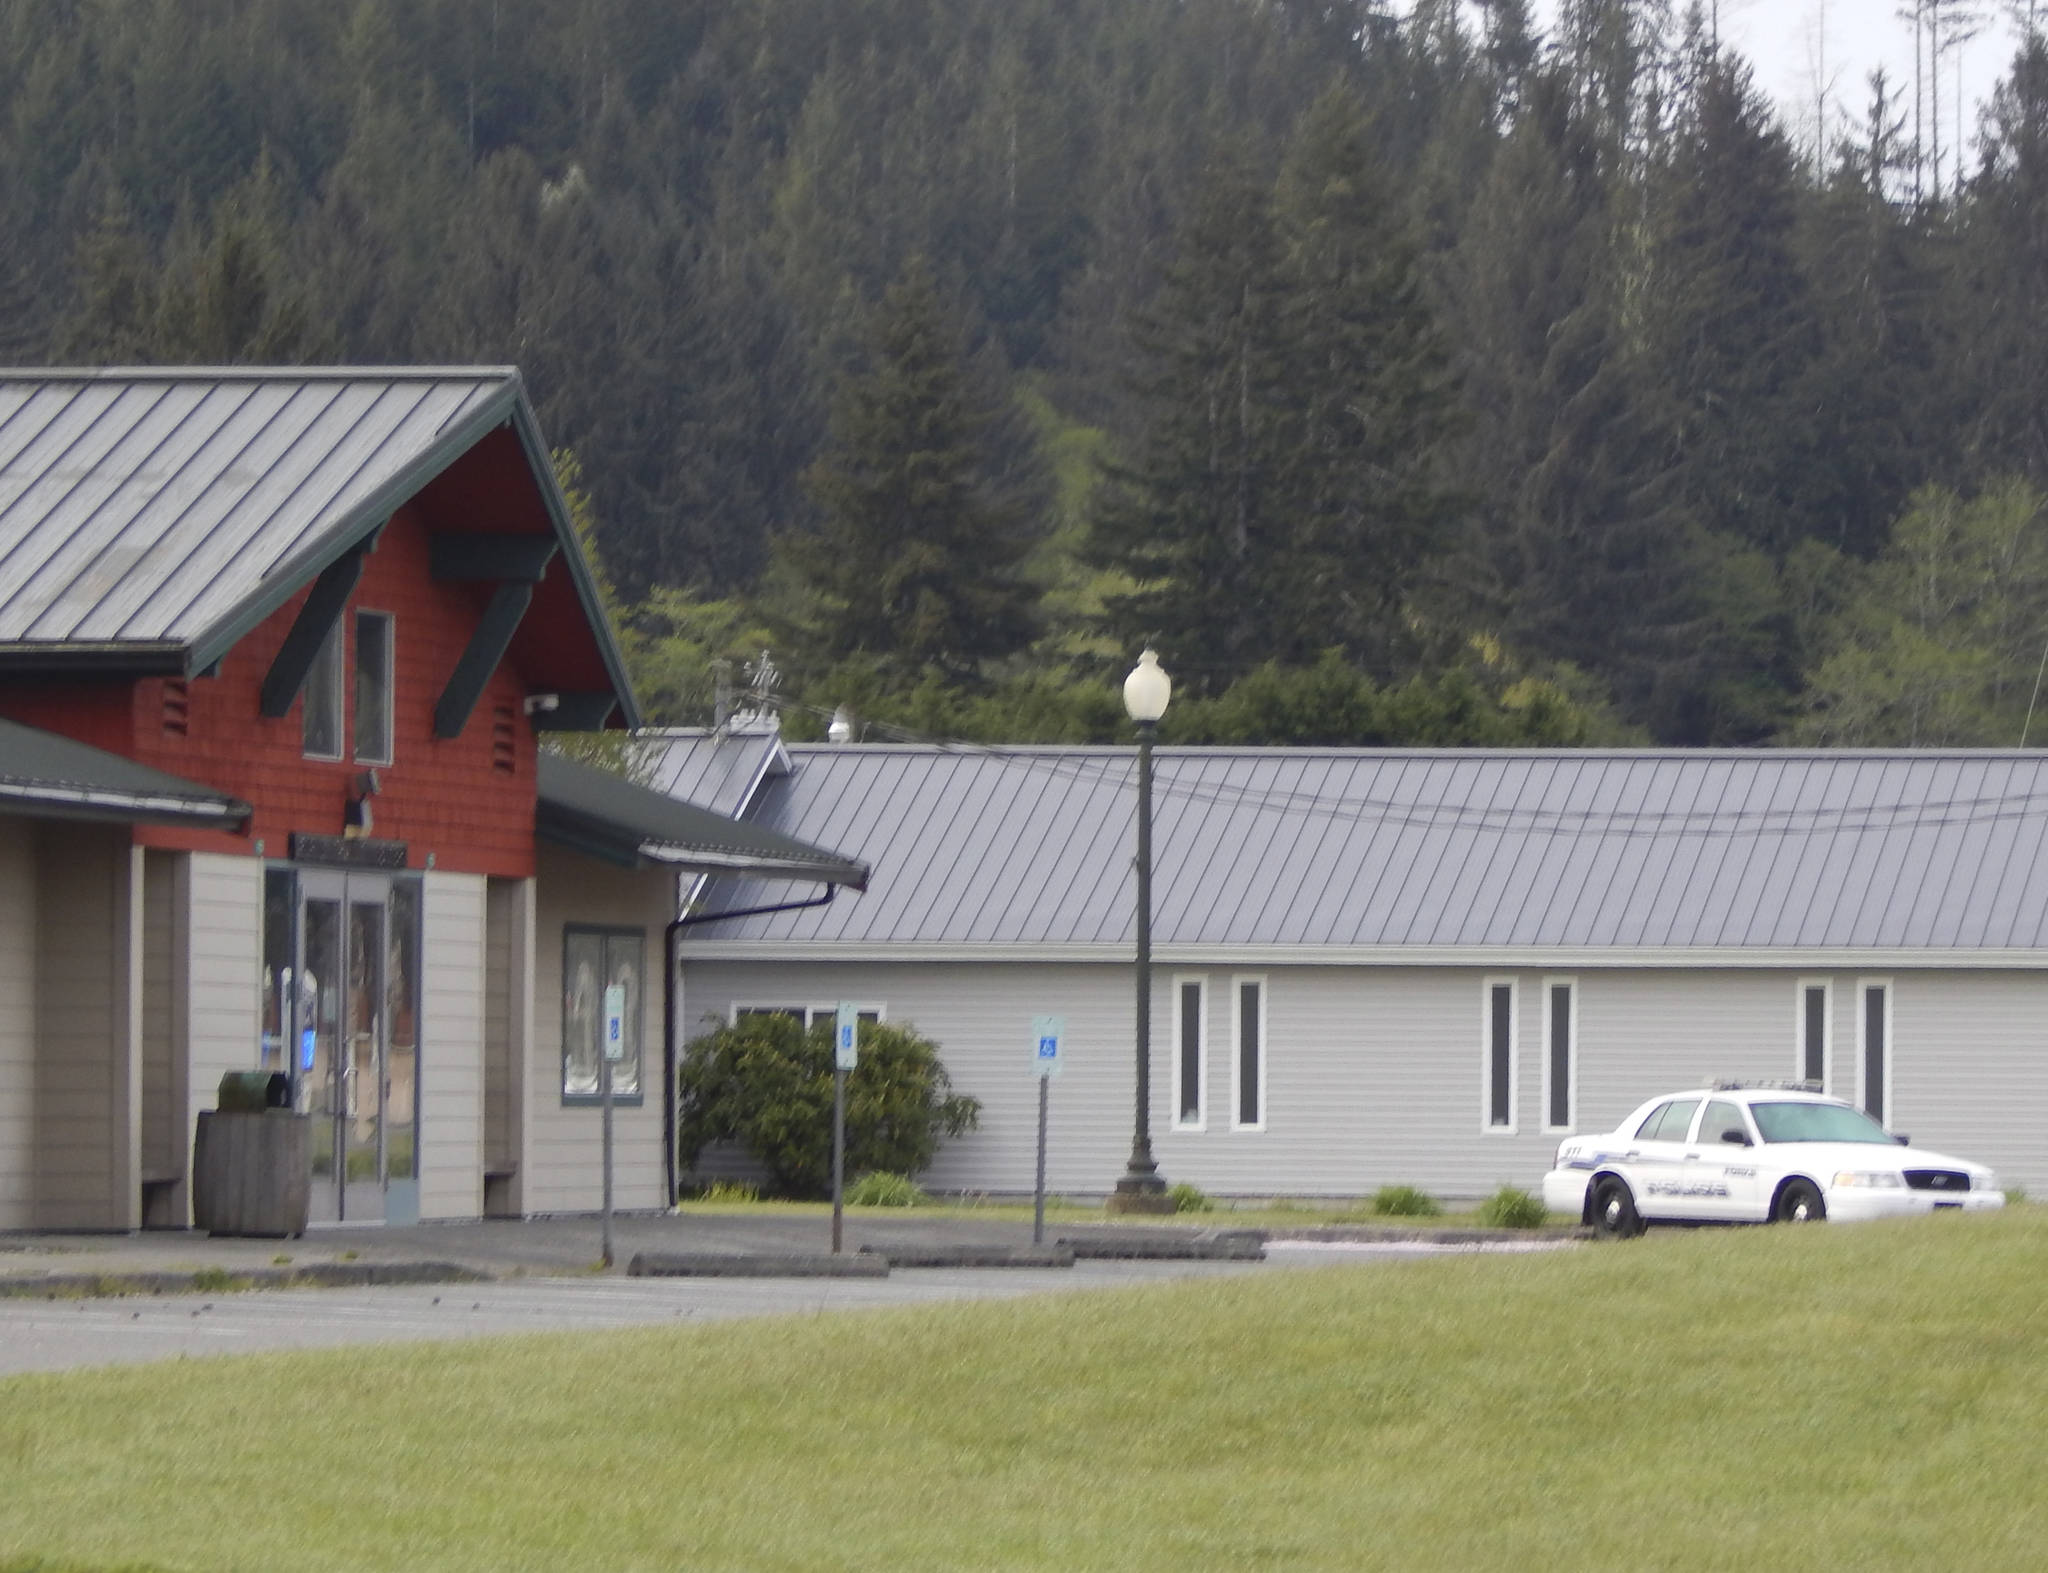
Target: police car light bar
1726	1085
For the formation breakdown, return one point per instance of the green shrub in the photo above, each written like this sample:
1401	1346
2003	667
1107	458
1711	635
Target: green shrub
1509	1208
766	1083
1404	1201
886	1190
1188	1198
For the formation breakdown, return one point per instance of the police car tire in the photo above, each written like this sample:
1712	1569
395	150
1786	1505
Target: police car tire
1614	1211
1799	1202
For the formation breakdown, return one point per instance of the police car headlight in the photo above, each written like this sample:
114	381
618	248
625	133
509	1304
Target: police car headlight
1987	1181
1877	1179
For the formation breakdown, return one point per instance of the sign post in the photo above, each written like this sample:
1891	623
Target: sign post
845	1053
614	1051
1046	1032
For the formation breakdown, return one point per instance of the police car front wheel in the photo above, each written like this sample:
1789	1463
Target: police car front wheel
1614	1211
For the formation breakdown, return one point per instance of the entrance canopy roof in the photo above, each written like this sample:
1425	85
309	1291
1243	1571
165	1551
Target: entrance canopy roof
606	816
49	777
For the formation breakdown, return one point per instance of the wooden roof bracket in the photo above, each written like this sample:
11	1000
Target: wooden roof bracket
516	562
309	631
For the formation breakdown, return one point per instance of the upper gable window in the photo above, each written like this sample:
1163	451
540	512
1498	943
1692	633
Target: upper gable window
373	688
321	720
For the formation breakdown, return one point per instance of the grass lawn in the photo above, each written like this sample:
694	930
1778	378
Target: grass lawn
1866	1397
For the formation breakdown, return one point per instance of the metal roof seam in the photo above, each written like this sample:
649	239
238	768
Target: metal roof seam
1712	915
10	594
1661	891
221	526
288	571
114	540
122	624
1937	868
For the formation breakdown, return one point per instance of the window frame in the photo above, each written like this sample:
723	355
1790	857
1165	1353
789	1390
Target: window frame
1238	983
605	933
1487	986
1806	986
389	678
333	655
805	1014
1864	986
1182	982
1571	1055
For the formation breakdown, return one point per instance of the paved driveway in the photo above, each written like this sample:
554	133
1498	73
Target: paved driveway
49	1335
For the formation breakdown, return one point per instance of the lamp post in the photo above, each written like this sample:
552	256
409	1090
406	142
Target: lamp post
1141	1189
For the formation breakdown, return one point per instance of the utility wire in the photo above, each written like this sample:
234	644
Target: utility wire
1413	813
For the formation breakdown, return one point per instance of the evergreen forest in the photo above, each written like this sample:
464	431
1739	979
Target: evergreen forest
1402	375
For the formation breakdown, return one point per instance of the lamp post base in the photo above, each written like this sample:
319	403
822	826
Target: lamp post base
1139	1193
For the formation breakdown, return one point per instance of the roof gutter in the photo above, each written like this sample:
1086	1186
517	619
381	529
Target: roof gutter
670	1114
97	801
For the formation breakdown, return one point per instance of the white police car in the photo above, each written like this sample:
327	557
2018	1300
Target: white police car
1754	1152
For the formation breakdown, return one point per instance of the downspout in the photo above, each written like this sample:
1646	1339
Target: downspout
669	963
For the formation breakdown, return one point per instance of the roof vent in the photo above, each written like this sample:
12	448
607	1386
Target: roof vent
841	729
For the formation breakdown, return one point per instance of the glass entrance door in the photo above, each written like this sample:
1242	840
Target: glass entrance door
358	993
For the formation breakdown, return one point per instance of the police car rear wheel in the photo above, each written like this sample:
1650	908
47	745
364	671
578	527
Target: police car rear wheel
1799	1202
1614	1211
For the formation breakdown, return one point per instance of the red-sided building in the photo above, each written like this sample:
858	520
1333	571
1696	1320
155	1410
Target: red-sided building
275	651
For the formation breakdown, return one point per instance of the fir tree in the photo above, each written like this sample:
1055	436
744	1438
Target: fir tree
1197	517
917	559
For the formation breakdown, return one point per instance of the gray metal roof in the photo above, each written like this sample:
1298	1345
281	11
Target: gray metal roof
151	516
1423	849
716	769
49	777
607	816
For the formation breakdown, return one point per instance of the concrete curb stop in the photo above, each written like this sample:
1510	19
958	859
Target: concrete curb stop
1169	1245
732	1264
972	1255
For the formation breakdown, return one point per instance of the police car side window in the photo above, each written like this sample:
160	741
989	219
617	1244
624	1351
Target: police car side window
1669	1122
1722	1117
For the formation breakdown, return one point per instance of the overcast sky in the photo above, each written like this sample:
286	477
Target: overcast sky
1786	42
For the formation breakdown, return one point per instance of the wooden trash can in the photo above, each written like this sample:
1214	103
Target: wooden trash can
252	1173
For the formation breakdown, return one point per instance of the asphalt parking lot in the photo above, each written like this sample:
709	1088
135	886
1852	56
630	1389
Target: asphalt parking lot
534	1277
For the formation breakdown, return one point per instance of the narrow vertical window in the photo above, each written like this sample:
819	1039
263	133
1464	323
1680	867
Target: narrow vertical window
1249	1031
320	718
1190	1032
1813	1033
373	688
1500	1054
1560	1053
1875	1057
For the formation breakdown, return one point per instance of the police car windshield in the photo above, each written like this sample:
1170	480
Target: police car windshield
1816	1122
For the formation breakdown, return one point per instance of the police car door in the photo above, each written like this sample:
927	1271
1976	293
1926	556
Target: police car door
1655	1159
1723	1157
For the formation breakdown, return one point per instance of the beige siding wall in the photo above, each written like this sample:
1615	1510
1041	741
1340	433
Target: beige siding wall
564	1165
88	1018
223	962
508	1016
1969	1066
18	917
451	1109
1374	1075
